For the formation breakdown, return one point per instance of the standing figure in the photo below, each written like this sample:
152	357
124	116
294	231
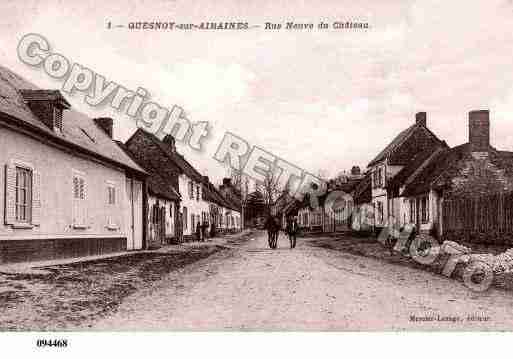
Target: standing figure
292	228
204	230
272	228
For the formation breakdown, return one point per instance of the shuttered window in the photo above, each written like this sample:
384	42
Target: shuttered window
23	195
191	190
22	192
111	194
79	200
57	117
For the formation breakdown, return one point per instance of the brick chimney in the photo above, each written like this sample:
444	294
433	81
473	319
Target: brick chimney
170	142
479	131
106	124
420	118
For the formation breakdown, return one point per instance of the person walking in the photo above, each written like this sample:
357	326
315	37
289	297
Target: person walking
292	228
269	226
276	231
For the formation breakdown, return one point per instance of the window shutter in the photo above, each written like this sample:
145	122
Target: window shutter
10	194
36	198
83	208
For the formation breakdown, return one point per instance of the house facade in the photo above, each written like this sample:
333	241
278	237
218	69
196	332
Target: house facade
162	200
163	160
224	216
66	184
463	193
397	159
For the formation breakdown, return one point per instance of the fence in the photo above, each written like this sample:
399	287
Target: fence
479	219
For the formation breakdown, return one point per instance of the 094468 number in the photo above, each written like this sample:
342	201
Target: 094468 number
52	343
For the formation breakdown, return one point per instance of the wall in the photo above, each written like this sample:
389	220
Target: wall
56	169
169	219
193	206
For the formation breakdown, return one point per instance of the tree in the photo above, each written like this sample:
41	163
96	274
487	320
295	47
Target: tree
241	184
270	190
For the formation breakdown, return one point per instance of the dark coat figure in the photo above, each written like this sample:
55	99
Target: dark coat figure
272	227
204	230
198	232
292	229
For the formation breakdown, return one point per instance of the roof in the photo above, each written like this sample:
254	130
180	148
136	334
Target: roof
400	139
47	95
79	131
438	164
403	135
177	158
158	185
211	194
399	179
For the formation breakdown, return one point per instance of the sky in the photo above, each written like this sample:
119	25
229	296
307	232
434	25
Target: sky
322	100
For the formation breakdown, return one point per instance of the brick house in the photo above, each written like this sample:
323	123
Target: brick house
335	211
67	189
162	200
392	165
463	193
223	213
184	178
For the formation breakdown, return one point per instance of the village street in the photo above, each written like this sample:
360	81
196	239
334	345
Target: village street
309	288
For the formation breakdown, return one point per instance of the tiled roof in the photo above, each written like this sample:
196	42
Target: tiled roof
211	194
392	145
433	169
177	158
401	138
399	179
79	131
157	184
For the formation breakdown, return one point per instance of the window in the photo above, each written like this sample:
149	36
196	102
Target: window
412	211
191	190
23	195
197	193
57	117
424	214
111	193
192	222
79	198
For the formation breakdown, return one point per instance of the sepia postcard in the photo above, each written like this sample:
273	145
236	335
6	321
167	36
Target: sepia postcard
264	166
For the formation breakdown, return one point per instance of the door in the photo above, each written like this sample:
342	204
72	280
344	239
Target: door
135	220
129	215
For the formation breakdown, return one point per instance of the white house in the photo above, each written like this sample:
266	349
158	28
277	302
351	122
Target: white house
67	189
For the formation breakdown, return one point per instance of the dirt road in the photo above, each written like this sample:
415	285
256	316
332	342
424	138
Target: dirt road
255	288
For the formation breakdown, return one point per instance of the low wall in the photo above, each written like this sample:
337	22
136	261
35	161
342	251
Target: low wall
26	250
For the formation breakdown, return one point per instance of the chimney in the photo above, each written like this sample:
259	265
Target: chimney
106	124
420	118
170	142
479	130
